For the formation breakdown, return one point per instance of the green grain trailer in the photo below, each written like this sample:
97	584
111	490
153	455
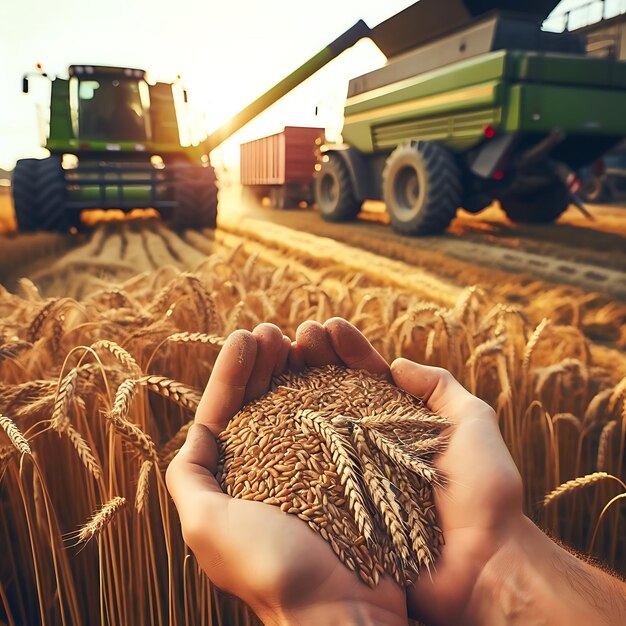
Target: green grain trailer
472	106
114	143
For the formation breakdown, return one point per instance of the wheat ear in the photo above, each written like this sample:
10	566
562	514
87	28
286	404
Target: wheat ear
15	435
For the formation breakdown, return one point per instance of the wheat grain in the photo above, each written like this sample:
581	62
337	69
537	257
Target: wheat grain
315	447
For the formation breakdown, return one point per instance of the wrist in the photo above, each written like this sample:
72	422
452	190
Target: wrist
334	613
531	579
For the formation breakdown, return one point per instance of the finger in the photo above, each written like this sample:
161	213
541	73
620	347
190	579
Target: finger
269	342
283	356
191	482
439	390
315	344
225	391
352	347
295	360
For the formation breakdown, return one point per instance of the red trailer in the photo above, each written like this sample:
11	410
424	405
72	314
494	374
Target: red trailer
282	165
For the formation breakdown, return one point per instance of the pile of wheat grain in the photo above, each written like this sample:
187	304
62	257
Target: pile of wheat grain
96	396
351	455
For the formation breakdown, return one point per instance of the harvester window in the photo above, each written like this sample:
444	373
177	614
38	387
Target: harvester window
111	110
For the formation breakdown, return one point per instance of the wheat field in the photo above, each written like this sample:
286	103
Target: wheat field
98	391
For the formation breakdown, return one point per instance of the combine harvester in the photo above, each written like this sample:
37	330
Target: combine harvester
475	104
114	143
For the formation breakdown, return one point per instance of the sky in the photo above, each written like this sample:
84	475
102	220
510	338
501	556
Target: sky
227	53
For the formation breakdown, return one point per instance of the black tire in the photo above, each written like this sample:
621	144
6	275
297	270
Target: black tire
334	193
196	194
539	207
421	188
51	192
24	189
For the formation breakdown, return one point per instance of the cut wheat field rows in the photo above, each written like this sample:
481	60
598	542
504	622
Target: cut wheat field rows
103	357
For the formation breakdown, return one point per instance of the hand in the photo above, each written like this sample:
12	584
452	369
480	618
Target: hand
273	561
481	504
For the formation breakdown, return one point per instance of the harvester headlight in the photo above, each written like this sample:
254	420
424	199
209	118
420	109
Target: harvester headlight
79	69
128	72
89	69
157	162
69	162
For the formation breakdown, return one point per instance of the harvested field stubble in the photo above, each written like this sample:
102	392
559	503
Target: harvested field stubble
102	388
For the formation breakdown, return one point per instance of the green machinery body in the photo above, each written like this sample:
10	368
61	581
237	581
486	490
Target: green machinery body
509	91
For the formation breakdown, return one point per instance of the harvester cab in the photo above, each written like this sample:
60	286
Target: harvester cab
118	141
475	103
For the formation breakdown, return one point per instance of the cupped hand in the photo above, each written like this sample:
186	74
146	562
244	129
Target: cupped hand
273	561
480	504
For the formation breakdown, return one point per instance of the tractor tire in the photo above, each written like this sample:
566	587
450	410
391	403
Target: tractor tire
421	188
334	193
51	192
24	189
539	207
196	193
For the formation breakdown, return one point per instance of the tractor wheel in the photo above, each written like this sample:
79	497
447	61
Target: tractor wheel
24	188
196	194
333	191
53	216
421	188
539	207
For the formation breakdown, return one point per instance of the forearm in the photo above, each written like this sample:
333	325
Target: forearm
334	614
532	580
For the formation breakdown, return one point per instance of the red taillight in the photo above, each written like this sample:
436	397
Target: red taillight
489	131
573	183
498	175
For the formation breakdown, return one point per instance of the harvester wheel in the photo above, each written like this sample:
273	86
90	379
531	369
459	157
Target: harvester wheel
421	188
24	188
333	191
539	207
53	215
196	194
